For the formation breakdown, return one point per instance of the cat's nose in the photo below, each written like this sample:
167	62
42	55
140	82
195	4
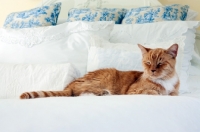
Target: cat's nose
153	70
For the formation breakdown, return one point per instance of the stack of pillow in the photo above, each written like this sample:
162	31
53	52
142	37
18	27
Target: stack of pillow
48	58
48	15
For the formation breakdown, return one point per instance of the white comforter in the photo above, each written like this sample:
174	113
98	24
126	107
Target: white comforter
136	113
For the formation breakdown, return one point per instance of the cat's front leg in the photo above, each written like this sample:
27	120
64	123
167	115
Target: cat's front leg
144	91
174	93
151	92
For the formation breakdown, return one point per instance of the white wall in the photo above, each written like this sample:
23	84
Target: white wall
8	6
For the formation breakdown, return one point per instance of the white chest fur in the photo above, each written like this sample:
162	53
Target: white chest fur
168	84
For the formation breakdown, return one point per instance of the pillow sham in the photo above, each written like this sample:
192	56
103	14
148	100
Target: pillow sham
158	33
64	43
18	78
126	57
155	14
100	14
37	17
128	4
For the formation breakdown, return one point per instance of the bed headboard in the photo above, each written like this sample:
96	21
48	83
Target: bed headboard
137	2
68	4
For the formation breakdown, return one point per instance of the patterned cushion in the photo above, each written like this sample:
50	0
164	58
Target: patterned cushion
154	14
37	17
99	14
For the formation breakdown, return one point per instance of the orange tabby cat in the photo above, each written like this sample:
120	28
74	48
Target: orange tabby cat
159	78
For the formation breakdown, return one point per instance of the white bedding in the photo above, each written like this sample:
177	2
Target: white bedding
136	113
194	87
130	113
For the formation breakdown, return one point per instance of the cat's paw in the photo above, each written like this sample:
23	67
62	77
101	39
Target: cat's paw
174	94
105	92
25	96
152	92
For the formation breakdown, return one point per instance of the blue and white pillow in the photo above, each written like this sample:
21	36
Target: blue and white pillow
99	14
37	17
155	14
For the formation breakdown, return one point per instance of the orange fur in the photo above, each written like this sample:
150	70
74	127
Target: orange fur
159	78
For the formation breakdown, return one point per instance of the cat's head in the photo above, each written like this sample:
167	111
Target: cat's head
159	63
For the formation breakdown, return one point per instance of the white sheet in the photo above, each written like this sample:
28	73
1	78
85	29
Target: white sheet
193	81
194	78
135	113
194	87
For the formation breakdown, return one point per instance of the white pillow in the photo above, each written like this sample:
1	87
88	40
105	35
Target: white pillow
125	57
151	32
191	15
114	3
64	43
18	78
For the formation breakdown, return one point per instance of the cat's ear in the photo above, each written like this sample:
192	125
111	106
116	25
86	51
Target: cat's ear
143	49
173	50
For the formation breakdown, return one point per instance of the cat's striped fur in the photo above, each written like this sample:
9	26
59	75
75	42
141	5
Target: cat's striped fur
159	78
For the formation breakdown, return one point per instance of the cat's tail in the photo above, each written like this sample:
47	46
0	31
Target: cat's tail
42	94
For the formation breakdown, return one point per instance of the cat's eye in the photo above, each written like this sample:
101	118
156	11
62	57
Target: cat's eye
148	63
159	64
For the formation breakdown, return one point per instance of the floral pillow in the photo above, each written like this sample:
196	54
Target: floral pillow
37	17
99	14
154	14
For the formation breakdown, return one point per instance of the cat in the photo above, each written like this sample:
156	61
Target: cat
159	78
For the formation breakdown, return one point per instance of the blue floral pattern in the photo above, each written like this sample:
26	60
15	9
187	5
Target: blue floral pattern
37	17
154	14
99	14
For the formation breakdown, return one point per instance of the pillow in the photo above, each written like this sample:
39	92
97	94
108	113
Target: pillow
37	17
64	43
18	78
155	14
126	57
191	15
158	33
113	3
91	15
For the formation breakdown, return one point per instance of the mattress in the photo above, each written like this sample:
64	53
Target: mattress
137	113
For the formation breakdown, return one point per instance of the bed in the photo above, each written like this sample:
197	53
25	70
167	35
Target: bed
50	57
